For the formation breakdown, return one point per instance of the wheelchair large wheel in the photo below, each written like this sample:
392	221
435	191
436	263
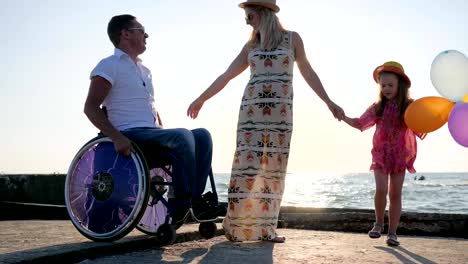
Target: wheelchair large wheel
156	211
105	192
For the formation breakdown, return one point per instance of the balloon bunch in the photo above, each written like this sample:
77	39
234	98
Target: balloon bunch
449	75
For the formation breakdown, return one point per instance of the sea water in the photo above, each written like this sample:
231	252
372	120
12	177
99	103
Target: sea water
436	193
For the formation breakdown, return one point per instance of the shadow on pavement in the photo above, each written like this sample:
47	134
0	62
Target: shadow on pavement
242	252
75	252
224	252
407	257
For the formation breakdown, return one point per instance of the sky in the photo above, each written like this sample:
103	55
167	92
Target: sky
51	46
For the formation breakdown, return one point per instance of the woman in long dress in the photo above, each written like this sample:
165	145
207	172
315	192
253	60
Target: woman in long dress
265	122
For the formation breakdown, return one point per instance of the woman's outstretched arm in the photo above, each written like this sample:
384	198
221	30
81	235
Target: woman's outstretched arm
239	64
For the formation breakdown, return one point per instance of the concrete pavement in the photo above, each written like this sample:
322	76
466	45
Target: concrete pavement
302	246
52	241
58	241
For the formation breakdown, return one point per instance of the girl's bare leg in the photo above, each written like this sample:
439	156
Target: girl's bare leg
380	197
396	186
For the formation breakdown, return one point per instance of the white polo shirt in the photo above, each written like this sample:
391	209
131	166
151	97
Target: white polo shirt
130	102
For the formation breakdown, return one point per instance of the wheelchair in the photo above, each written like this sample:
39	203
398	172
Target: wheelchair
108	194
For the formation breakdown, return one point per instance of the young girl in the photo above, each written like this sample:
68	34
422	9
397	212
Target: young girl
394	145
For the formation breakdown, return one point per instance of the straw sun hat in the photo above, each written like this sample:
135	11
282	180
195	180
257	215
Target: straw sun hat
266	3
391	66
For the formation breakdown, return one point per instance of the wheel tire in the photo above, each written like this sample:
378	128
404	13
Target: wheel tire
207	229
76	190
166	234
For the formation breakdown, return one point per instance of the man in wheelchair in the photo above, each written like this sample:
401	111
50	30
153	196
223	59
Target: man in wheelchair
123	86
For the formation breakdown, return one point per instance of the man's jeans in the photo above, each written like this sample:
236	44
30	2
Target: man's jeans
193	150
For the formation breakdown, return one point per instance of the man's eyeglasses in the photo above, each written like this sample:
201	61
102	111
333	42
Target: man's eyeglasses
141	29
249	18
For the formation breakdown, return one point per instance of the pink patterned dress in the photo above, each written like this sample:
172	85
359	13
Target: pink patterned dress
394	145
263	138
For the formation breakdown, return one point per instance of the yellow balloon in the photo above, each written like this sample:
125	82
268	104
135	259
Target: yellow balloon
465	99
428	114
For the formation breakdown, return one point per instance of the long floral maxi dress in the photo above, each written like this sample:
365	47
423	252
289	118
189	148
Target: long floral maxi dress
263	138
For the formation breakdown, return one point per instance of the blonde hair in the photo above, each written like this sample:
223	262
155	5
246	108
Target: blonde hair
270	31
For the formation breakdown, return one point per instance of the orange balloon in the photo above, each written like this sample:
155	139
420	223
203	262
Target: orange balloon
428	114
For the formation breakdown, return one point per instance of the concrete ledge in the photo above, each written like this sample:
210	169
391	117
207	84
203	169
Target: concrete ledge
356	220
26	211
330	219
33	188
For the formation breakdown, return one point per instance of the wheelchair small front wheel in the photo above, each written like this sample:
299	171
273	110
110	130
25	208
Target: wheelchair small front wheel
207	229
166	234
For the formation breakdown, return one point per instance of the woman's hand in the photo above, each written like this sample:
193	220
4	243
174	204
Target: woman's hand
337	111
239	64
194	108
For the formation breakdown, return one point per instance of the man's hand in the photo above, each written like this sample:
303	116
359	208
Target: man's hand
123	145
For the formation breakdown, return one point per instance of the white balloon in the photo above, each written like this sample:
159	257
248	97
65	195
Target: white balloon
449	74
